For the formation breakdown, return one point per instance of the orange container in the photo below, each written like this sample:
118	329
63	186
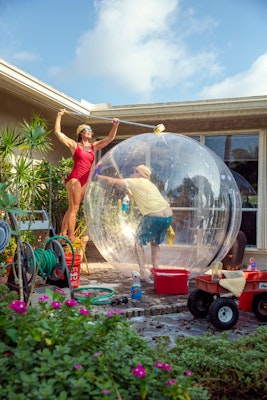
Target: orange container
76	269
170	281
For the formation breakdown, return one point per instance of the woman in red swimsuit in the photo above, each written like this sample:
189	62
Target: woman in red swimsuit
83	153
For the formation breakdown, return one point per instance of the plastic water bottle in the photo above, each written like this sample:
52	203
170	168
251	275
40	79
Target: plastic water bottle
136	289
125	203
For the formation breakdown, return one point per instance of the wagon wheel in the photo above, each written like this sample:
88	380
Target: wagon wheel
223	313
259	306
199	303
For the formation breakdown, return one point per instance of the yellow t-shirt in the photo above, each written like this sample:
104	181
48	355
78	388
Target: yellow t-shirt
146	195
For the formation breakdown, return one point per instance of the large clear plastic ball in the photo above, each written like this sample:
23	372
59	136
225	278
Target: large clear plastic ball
200	188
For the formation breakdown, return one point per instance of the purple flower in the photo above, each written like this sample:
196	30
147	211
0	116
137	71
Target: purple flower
114	311
105	391
171	382
55	304
166	367
97	354
71	302
78	366
163	366
88	294
158	364
19	306
84	311
188	373
59	290
43	298
139	371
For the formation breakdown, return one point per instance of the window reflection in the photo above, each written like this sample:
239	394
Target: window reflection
240	153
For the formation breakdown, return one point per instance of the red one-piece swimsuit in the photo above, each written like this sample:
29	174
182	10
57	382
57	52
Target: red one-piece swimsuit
83	161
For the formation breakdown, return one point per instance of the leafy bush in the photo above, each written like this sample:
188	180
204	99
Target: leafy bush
230	370
60	350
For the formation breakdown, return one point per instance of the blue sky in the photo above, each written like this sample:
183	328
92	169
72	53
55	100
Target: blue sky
139	51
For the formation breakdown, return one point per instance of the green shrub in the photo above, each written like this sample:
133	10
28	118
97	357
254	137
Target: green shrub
60	350
230	370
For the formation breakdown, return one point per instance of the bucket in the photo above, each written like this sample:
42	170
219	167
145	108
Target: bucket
170	281
76	269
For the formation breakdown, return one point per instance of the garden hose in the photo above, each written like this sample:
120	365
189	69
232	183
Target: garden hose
101	300
46	258
48	263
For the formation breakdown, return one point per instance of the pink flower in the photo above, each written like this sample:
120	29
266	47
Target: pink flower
114	311
55	304
83	311
43	298
171	382
19	306
71	302
166	367
158	364
97	354
163	366
59	290
88	294
139	371
188	372
105	391
78	366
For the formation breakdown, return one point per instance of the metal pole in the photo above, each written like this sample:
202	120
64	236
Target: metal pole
154	127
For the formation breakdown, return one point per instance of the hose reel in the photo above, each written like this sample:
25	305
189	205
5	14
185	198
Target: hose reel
49	262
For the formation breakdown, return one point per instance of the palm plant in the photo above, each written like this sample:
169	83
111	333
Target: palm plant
17	166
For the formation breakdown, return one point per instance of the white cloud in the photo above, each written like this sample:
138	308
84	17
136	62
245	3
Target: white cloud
252	82
137	46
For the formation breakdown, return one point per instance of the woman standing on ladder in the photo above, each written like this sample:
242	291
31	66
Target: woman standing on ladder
83	154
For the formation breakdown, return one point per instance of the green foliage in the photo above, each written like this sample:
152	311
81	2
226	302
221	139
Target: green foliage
230	370
32	184
61	350
17	165
53	189
8	201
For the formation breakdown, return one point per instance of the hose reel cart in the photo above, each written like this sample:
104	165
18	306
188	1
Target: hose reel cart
48	262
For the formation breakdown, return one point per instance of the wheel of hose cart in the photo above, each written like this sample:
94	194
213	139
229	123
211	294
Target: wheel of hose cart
259	306
223	313
199	303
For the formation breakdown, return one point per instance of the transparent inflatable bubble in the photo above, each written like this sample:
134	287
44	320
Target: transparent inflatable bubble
200	188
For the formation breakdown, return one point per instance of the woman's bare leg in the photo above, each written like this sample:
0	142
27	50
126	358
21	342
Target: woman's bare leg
75	192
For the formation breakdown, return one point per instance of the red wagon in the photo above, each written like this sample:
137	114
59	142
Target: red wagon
209	298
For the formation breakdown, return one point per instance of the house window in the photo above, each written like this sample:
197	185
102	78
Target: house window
240	154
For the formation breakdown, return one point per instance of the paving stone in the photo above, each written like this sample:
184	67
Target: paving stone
157	315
